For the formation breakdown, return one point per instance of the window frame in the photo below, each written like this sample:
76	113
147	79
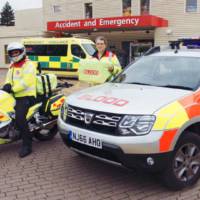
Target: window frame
185	7
85	4
54	8
149	11
123	8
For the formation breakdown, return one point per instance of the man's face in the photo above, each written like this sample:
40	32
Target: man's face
14	53
100	45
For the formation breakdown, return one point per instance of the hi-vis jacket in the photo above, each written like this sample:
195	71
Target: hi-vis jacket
111	59
22	77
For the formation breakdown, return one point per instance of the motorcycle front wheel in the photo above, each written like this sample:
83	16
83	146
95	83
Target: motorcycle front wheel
46	134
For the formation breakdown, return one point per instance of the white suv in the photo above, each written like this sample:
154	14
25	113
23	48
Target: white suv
148	117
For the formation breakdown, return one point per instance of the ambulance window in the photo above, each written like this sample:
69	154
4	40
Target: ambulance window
90	48
36	50
77	51
56	50
46	50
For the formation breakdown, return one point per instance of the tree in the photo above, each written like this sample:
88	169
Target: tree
7	15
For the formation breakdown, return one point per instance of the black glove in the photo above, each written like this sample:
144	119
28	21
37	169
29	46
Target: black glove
7	88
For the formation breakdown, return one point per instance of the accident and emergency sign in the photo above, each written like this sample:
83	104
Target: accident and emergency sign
107	23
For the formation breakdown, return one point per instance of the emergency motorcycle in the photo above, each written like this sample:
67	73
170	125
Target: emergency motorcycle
41	117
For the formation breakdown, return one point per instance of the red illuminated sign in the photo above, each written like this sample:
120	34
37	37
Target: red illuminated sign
108	23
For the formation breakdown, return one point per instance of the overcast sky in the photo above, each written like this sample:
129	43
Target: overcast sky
22	4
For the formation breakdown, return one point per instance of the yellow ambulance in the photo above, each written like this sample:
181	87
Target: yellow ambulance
60	56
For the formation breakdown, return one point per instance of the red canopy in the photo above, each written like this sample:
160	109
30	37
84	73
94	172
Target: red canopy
111	23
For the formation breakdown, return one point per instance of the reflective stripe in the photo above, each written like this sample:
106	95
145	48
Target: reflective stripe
28	89
26	92
171	116
166	140
23	83
16	78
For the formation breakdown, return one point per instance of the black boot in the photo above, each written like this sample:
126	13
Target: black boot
25	151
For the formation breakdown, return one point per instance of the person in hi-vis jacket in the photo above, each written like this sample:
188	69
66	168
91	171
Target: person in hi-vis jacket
21	82
106	56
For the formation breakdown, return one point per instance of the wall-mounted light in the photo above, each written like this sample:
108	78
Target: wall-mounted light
169	31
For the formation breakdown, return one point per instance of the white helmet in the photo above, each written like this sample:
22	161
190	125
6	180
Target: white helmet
16	46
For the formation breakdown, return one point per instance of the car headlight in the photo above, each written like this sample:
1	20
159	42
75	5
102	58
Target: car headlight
63	111
136	124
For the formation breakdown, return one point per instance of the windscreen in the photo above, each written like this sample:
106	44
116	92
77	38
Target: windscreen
90	48
176	72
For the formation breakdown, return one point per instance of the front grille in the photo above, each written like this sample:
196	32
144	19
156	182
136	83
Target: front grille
93	120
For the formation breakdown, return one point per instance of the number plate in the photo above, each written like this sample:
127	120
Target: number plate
84	139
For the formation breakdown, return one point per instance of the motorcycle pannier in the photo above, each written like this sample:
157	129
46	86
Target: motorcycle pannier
46	83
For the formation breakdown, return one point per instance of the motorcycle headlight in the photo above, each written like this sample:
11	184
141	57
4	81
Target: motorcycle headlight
136	124
63	111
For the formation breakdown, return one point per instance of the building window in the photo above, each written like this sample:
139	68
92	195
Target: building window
88	10
144	7
7	61
191	5
126	6
56	8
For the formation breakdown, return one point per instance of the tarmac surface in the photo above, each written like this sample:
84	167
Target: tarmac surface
53	172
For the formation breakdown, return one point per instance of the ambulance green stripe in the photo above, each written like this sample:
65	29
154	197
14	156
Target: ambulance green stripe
63	65
76	60
44	64
33	58
54	58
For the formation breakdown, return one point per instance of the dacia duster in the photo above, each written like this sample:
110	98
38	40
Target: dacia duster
148	117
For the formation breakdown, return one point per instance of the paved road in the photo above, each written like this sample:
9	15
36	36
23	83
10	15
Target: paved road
53	172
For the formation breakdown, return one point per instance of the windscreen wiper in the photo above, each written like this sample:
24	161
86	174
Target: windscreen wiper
177	87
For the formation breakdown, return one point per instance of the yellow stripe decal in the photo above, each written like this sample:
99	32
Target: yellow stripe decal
64	59
43	58
54	65
171	116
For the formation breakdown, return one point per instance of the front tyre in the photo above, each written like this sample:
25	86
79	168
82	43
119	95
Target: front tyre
46	134
184	168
